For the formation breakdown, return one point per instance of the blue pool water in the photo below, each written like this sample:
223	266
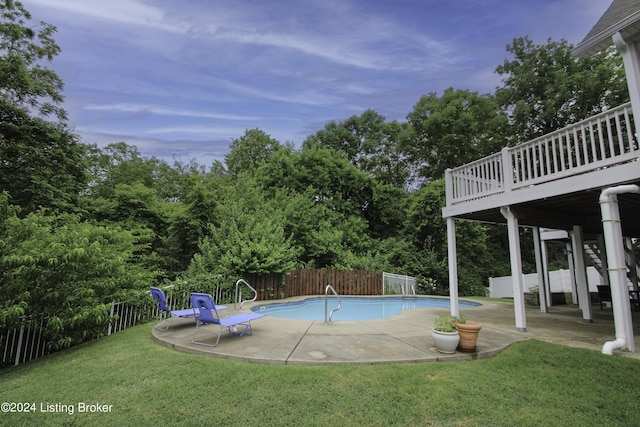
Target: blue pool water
353	308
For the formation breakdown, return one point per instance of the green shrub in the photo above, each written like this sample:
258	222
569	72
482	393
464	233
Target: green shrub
444	323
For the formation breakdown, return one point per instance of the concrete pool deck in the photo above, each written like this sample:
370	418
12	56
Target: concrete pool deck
402	338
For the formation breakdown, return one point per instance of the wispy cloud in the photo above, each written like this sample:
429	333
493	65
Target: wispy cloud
340	50
183	76
163	111
201	130
130	12
304	96
349	42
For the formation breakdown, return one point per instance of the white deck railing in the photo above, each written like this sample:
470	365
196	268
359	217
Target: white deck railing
600	141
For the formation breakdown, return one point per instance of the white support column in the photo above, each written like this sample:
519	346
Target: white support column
584	299
453	266
631	60
516	269
572	272
540	262
545	272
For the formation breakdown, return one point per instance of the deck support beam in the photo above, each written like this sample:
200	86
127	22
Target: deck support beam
541	270
453	266
516	268
584	299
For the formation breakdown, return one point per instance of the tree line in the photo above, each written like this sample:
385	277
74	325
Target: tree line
82	226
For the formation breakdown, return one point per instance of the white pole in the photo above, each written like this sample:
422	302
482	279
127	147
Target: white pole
572	271
540	269
453	266
612	227
545	273
584	300
516	269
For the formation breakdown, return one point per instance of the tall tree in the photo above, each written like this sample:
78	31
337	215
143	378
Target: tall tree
451	130
42	165
545	88
120	163
370	143
42	162
334	210
249	151
248	236
24	81
198	213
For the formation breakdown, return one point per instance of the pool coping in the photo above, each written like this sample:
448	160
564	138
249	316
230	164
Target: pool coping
402	338
405	337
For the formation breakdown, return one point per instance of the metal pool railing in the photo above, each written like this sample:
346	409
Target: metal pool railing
238	299
327	315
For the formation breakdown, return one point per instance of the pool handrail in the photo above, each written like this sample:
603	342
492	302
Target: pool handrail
327	319
238	299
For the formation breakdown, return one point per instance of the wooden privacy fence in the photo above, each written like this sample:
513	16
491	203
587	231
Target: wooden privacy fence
314	282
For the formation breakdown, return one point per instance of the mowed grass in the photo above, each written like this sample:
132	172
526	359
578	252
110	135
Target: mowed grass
531	383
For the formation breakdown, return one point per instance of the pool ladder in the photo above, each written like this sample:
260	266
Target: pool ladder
327	315
238	299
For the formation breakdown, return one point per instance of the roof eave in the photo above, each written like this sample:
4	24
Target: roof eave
628	26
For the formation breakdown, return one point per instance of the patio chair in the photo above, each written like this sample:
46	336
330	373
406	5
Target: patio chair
164	312
207	314
604	293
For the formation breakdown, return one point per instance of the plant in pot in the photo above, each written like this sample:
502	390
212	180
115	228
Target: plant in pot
468	331
444	333
533	296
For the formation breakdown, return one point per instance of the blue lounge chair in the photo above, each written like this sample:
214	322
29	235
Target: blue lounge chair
207	314
164	312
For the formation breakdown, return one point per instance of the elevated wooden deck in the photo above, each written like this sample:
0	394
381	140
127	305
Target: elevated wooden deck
554	181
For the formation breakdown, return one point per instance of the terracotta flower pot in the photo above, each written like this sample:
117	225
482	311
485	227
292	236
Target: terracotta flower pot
468	335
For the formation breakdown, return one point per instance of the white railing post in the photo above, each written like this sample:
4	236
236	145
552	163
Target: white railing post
448	184
19	348
631	60
113	305
507	169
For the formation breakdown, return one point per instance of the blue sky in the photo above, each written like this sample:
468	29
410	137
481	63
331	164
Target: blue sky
181	79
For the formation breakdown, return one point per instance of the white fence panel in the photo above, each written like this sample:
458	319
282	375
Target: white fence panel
560	280
397	284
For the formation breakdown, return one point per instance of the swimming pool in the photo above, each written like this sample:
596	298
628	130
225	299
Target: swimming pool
353	308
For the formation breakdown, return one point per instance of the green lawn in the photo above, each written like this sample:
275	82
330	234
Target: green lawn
531	383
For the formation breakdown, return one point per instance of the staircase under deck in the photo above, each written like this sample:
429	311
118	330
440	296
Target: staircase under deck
554	181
